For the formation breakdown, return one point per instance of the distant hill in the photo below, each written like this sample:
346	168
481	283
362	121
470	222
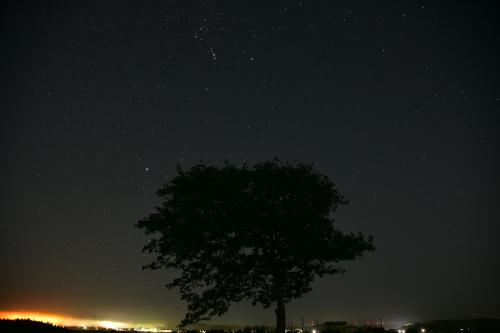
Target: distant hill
29	326
478	325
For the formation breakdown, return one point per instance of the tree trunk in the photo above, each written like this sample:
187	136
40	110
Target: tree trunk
280	317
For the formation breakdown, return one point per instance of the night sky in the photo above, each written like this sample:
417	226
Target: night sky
397	102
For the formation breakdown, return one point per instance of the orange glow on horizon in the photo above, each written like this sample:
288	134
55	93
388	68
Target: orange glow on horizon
62	320
41	316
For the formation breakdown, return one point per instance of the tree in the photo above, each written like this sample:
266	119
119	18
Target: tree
260	233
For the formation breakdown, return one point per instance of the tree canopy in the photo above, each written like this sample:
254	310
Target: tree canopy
260	233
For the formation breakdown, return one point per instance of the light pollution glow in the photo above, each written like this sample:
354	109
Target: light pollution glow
61	320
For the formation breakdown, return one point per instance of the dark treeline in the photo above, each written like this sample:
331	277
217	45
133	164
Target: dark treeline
478	325
29	326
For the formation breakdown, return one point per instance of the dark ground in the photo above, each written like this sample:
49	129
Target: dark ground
438	326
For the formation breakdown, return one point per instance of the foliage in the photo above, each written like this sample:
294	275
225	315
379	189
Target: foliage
260	233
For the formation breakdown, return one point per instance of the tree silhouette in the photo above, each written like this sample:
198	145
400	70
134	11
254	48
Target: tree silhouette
260	233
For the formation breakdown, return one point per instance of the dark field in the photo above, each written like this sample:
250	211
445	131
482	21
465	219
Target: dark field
438	326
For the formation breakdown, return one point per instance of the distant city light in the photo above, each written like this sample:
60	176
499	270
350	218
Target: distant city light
114	325
66	321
